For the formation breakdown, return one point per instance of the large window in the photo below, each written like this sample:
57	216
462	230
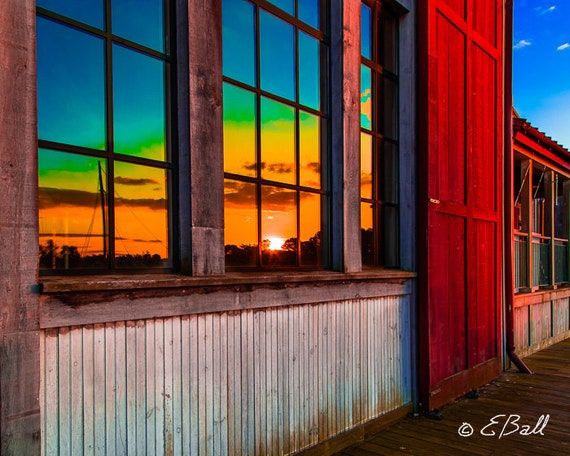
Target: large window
274	132
103	126
541	208
379	135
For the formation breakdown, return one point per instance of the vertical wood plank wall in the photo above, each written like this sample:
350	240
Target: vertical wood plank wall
270	381
540	320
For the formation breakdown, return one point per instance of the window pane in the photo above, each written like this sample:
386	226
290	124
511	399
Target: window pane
367	232
309	76
141	216
389	173
277	56
87	11
141	21
309	12
365	97
366	152
238	40
366	31
138	104
72	210
286	5
71	86
389	108
389	40
240	219
309	143
278	226
277	141
239	131
310	213
390	238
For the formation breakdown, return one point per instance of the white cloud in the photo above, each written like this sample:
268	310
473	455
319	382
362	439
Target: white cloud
542	10
521	44
562	47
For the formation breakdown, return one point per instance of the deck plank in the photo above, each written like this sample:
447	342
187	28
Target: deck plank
546	392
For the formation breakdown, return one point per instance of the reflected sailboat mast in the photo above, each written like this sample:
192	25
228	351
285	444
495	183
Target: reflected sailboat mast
102	193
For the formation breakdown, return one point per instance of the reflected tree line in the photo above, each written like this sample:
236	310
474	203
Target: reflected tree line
285	255
69	257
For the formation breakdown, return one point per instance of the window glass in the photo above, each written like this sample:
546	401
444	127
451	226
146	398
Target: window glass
366	165
103	170
389	179
367	233
239	131
309	145
309	12
365	31
277	56
310	213
141	216
141	21
138	104
278	226
309	73
274	189
71	86
73	210
389	34
238	36
277	141
90	12
240	219
389	111
286	5
379	135
365	97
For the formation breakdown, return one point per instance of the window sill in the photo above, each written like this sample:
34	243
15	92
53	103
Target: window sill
69	301
69	284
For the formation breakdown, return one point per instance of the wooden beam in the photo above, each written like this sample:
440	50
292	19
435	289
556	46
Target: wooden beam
19	336
345	133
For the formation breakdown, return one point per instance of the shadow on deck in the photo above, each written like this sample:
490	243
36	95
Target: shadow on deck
537	405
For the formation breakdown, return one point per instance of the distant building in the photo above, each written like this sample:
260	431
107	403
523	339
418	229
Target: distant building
253	226
540	233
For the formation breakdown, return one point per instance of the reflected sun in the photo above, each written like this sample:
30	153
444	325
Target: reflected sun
276	243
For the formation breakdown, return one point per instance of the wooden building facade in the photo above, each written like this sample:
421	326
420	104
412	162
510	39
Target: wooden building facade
540	236
284	301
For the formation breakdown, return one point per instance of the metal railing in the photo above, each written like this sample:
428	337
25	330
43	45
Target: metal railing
521	261
542	273
560	261
540	261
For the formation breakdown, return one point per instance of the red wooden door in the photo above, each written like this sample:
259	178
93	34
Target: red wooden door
461	134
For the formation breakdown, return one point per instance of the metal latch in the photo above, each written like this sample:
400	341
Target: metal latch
434	201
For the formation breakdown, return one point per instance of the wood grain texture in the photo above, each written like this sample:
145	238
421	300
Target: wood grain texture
265	381
546	392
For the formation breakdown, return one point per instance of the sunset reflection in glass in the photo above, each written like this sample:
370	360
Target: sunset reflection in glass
103	169
274	190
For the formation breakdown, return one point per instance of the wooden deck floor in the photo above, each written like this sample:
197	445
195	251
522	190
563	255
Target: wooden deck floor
546	393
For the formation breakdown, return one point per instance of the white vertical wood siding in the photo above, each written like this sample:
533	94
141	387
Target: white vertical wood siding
268	381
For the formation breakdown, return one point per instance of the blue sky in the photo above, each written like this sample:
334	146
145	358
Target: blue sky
541	65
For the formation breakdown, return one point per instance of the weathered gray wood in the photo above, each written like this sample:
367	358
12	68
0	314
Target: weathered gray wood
66	309
345	134
294	373
206	138
19	339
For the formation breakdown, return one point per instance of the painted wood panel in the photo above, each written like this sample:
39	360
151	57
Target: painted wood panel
561	316
521	327
267	381
460	195
540	322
